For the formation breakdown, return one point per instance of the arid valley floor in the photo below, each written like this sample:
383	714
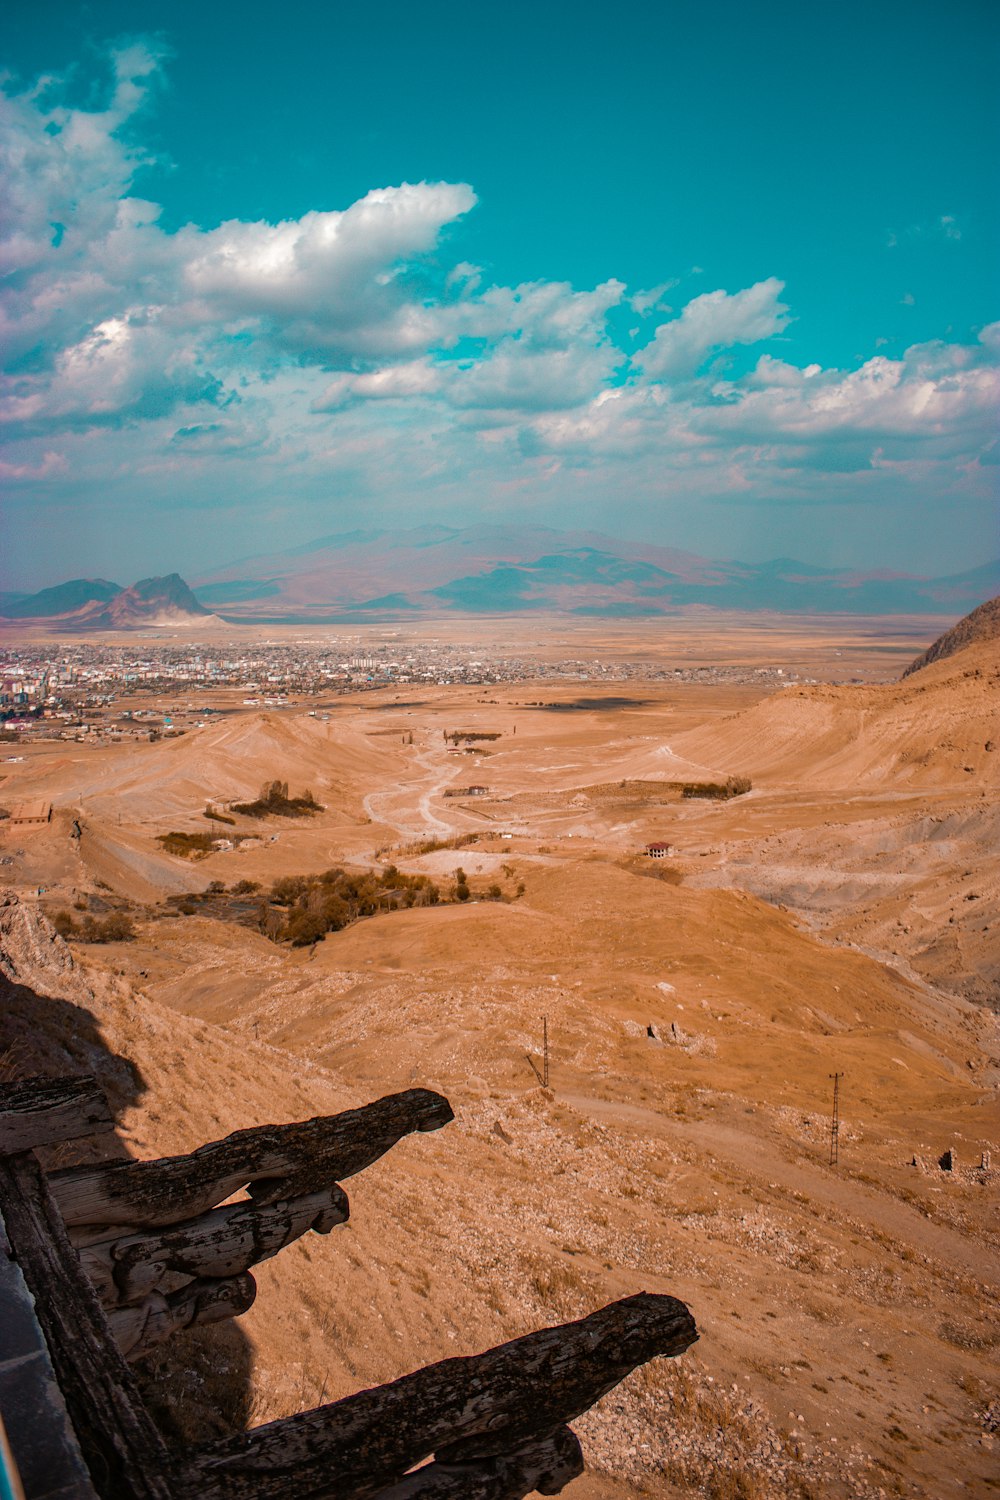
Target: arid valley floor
843	916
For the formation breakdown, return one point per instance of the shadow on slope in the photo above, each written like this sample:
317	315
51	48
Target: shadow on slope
197	1386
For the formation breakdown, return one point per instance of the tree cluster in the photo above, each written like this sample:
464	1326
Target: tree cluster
318	904
274	801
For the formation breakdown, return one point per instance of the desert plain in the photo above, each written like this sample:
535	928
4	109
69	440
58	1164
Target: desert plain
840	917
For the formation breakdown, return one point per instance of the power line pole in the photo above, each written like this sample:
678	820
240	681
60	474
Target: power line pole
835	1120
545	1052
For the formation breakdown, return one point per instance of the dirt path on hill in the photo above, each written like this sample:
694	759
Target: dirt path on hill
394	806
816	1182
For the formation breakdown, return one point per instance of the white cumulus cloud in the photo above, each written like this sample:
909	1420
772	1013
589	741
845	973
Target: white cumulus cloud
355	346
713	321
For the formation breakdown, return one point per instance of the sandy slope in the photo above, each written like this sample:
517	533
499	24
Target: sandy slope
228	762
929	730
697	1167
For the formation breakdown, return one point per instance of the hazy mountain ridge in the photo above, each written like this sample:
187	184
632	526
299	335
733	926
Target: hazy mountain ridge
522	569
490	570
61	599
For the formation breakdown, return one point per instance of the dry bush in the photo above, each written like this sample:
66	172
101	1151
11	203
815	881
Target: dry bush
720	791
704	1439
186	845
559	1289
116	927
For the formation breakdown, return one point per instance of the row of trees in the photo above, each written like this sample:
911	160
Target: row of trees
719	791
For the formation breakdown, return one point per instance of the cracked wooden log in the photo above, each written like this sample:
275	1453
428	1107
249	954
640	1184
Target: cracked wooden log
545	1466
42	1111
222	1243
124	1453
279	1162
460	1410
140	1328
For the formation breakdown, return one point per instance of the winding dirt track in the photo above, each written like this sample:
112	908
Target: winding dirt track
394	806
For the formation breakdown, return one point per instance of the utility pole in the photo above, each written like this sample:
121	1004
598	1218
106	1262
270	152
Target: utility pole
545	1052
835	1120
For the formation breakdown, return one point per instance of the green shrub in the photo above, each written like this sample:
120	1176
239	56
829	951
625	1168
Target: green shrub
337	898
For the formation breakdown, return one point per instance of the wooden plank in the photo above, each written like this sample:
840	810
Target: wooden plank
546	1466
461	1410
278	1161
42	1111
124	1453
221	1243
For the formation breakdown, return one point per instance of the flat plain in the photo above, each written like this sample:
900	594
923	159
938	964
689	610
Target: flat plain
839	917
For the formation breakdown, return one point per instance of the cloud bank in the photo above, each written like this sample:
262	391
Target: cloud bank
351	357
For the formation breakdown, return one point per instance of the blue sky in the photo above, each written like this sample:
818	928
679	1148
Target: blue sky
719	277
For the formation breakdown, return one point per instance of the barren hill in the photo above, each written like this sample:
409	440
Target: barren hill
983	624
875	812
225	761
691	1160
927	733
151	601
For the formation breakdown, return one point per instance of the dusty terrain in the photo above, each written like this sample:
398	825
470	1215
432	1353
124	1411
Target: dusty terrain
842	916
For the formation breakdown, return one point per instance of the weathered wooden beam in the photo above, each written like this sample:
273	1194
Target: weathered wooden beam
123	1451
278	1161
221	1243
460	1410
140	1328
545	1466
42	1111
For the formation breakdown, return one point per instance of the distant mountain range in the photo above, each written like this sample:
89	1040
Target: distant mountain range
532	569
493	570
62	599
96	604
